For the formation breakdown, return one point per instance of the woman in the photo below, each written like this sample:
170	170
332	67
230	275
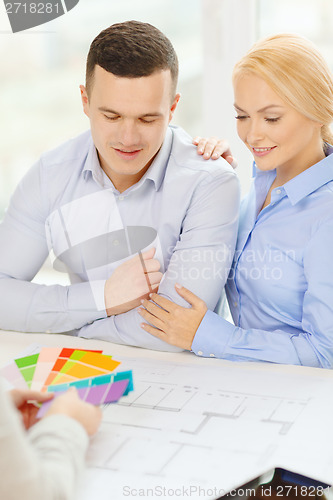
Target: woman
43	464
280	289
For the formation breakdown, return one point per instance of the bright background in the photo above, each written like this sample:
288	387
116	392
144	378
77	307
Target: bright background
42	68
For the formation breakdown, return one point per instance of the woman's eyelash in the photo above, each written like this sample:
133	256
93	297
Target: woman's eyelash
272	120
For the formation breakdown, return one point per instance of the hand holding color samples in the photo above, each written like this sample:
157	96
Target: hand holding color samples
70	404
56	369
26	403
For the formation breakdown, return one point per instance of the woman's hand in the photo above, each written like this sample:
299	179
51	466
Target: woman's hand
69	403
26	403
172	323
214	148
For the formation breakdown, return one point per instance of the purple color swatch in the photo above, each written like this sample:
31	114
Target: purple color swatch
96	395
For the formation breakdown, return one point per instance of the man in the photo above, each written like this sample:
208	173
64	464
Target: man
119	205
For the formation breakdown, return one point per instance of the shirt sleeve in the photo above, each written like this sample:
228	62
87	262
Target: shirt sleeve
46	462
200	261
27	306
312	346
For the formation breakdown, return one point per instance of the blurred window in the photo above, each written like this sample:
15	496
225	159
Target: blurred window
42	68
310	18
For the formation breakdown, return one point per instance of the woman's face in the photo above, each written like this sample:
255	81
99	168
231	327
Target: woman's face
277	135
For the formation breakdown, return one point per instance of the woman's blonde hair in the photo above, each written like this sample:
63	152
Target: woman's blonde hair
297	72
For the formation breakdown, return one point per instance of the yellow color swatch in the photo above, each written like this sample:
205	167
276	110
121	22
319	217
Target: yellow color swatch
84	365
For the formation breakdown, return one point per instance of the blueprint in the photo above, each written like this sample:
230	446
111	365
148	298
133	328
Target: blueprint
197	430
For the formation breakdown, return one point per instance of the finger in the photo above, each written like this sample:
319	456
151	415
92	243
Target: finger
21	396
196	140
190	297
39	396
20	393
148	254
157	311
166	304
70	393
212	146
201	145
156	322
155	278
221	148
154	331
152	265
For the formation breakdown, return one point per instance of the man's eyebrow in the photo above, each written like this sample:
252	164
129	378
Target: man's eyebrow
270	106
157	114
113	112
108	110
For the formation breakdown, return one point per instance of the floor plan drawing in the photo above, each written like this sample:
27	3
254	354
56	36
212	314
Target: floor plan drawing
202	429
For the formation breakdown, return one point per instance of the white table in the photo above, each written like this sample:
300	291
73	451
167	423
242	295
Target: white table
200	423
13	343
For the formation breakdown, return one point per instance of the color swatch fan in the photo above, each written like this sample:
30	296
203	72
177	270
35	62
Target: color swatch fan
55	369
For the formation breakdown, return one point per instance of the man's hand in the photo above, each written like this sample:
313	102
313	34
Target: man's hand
170	322
131	282
214	148
26	403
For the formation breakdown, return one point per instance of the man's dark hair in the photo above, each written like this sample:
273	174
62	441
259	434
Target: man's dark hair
132	49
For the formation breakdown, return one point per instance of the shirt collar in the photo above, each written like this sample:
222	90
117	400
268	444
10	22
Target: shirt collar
92	164
306	182
158	167
155	172
311	179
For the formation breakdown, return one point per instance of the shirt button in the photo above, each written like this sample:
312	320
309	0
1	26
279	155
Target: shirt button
212	355
121	198
200	353
235	304
115	243
278	191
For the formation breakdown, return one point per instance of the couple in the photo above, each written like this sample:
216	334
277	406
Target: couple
134	185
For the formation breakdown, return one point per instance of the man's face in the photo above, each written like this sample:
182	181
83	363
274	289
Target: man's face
128	118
